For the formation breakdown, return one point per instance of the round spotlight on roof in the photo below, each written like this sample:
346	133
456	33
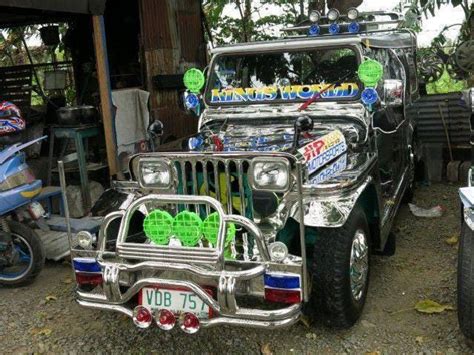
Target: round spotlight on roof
333	14
354	27
352	13
314	16
314	30
334	28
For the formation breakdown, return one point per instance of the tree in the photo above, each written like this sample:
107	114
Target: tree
431	7
252	21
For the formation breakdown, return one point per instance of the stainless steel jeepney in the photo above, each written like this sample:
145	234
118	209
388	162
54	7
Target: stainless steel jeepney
218	182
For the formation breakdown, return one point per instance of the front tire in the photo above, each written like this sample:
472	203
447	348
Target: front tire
466	282
341	271
31	253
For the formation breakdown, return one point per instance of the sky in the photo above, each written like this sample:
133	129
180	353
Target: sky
432	26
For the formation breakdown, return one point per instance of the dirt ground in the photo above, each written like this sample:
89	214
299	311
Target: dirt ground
43	317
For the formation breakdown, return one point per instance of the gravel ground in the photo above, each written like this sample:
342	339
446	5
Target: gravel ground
43	317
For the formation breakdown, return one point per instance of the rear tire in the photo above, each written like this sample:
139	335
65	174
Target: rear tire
341	271
466	282
29	237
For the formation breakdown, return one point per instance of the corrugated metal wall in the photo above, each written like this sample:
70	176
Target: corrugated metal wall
428	112
172	40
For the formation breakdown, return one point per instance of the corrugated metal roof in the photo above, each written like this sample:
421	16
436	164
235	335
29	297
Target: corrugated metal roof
430	129
95	7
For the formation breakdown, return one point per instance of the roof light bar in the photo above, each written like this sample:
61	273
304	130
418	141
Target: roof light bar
354	22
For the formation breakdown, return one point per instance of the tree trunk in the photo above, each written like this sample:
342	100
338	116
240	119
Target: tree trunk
343	5
319	5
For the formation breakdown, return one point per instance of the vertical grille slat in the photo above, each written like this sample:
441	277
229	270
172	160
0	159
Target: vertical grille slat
228	186
184	180
195	187
205	178
216	180
240	177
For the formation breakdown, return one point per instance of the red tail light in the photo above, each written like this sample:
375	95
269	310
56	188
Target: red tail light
93	279
189	323
142	317
165	319
282	296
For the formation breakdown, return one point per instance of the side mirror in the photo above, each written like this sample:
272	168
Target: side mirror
393	93
468	99
155	130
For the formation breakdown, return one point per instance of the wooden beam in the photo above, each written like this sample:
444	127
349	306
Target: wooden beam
103	77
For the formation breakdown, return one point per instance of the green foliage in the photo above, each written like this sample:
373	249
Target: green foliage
445	85
252	23
431	7
13	52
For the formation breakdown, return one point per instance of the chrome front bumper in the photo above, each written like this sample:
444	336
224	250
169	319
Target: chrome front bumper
225	309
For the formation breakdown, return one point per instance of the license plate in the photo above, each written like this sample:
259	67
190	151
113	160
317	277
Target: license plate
173	300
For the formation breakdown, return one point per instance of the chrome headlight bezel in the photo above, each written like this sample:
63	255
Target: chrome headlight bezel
164	164
284	166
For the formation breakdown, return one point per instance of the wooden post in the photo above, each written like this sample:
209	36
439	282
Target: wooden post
103	77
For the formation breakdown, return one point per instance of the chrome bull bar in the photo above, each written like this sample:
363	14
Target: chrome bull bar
160	253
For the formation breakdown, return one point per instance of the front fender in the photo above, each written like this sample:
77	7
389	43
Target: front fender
329	211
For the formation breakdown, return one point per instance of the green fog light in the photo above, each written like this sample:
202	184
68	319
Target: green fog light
187	227
158	226
210	229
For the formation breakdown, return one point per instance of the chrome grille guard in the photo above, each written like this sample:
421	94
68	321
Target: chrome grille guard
187	255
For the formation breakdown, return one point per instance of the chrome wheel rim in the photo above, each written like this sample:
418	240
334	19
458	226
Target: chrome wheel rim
359	265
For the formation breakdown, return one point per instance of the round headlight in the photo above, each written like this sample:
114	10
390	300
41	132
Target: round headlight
314	16
352	13
333	14
85	239
272	175
278	251
155	174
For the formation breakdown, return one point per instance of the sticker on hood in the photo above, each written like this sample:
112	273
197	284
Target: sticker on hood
323	150
330	171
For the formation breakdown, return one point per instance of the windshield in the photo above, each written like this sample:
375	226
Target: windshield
283	76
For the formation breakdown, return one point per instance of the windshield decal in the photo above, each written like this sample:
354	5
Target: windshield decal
322	150
293	92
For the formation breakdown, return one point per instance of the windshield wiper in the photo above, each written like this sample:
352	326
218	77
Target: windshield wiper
317	95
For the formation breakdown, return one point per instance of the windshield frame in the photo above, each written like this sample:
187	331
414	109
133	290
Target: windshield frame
356	48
